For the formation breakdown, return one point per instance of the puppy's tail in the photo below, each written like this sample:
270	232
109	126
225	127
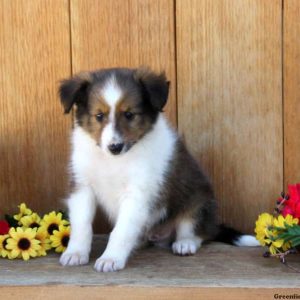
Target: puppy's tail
231	236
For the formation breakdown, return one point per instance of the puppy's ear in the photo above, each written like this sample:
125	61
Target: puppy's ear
155	87
74	90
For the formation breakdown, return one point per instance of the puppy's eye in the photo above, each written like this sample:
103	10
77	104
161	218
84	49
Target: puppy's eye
129	115
99	117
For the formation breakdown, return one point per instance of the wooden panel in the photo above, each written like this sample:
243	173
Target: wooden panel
123	33
68	292
155	267
142	293
291	63
230	100
34	55
154	273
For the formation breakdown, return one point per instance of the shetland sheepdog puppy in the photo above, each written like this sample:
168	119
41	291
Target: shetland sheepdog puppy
127	158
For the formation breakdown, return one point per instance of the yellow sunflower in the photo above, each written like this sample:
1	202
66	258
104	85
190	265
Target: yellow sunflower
52	221
266	233
3	242
268	228
42	236
60	238
23	243
286	246
24	211
263	227
275	245
281	224
32	221
281	221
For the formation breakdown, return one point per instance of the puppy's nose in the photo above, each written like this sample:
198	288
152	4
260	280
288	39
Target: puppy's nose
115	148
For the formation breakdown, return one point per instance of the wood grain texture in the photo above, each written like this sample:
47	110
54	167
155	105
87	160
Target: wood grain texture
34	55
291	51
230	100
67	292
155	267
124	33
140	293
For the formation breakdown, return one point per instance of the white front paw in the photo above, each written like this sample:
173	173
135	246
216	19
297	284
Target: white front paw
109	264
74	259
186	246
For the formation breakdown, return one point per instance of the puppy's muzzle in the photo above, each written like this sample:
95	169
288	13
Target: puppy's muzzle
116	148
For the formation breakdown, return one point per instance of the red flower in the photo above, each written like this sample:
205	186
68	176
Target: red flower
292	206
4	227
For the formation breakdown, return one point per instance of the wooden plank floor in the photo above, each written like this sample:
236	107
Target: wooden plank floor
215	270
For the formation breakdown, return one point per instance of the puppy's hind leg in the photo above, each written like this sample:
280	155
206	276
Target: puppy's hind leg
186	243
81	210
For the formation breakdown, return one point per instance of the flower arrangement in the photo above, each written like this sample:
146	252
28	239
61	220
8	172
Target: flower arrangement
26	234
280	232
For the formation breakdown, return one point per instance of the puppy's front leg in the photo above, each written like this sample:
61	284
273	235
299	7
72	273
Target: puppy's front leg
82	207
131	221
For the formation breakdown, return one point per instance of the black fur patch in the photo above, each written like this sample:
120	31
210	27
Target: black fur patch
155	87
187	193
227	235
73	91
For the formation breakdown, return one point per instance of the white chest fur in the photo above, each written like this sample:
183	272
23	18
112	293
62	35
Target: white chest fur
141	169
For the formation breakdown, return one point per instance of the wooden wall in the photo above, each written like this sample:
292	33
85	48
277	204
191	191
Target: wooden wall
34	55
291	91
229	73
235	87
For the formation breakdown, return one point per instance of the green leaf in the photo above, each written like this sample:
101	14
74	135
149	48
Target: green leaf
295	241
279	228
292	235
65	214
295	230
11	221
285	236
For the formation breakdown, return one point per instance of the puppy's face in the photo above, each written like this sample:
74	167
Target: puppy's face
116	107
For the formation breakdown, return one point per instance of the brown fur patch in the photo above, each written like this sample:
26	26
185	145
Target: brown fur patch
96	105
135	129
